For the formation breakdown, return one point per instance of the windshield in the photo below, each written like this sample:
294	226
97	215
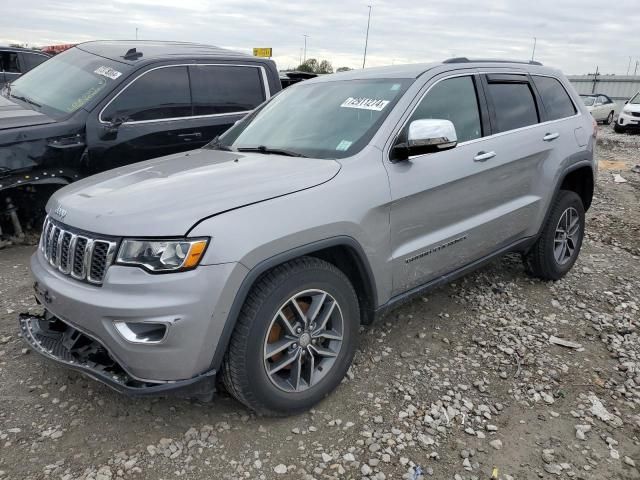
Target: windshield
635	100
322	120
589	101
66	82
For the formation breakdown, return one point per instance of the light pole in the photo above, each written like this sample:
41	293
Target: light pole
635	71
366	41
305	48
136	33
535	40
629	66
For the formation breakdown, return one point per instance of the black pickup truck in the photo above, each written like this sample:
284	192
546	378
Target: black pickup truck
104	104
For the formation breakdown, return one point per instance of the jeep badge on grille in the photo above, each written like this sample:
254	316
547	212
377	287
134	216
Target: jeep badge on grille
60	212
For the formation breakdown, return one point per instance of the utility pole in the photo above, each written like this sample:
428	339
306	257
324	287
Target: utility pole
629	66
305	48
366	41
595	79
635	71
136	33
535	40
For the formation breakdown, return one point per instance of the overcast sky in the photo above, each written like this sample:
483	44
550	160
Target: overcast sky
572	35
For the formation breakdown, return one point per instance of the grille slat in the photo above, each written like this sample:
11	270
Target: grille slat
82	257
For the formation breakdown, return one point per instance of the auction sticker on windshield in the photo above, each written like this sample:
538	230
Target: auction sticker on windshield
107	72
364	103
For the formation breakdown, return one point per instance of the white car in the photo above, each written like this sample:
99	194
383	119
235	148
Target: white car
629	118
602	108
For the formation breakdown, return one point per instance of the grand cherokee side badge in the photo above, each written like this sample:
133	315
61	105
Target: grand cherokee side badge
60	212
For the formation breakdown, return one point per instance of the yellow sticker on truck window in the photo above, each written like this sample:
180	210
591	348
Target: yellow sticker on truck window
364	103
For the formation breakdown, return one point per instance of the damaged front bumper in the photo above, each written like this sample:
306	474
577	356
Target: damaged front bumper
61	342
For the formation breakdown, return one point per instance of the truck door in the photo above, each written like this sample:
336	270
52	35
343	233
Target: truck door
171	109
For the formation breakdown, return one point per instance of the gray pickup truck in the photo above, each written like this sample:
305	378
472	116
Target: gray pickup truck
256	258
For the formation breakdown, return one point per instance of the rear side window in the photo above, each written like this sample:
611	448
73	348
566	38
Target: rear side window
32	60
555	98
453	99
225	89
159	94
514	105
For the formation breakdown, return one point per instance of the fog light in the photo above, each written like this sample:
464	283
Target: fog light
141	332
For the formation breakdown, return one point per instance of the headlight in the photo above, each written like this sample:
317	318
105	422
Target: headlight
627	112
162	255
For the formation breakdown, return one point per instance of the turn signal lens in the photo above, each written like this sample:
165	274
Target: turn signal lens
195	252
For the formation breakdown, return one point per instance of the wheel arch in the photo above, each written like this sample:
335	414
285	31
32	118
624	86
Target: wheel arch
579	179
342	251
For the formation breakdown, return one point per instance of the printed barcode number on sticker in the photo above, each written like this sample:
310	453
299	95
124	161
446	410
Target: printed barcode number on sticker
364	103
107	72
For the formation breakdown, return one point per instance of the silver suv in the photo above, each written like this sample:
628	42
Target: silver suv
257	258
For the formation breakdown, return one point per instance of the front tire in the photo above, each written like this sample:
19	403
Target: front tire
618	128
295	338
558	247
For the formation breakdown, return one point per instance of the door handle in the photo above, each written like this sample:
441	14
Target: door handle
484	156
550	136
190	136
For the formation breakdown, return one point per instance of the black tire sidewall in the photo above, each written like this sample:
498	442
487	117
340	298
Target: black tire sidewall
566	199
262	388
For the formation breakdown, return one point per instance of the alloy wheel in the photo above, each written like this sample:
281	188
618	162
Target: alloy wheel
303	340
567	236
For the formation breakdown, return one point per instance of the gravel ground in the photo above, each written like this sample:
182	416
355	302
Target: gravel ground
450	386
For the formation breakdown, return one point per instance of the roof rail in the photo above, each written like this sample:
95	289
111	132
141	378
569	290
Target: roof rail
488	60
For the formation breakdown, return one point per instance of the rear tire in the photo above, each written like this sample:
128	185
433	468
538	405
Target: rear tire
609	119
558	246
322	350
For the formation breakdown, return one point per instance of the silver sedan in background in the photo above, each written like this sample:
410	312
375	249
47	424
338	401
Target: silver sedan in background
601	107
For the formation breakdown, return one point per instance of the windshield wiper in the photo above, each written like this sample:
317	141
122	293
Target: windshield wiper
268	150
25	99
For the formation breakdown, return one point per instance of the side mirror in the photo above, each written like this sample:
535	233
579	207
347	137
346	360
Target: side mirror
426	136
110	130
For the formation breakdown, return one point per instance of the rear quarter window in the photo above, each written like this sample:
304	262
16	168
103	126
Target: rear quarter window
555	98
514	105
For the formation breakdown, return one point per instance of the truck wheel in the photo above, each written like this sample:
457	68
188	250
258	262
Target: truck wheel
557	249
295	338
609	119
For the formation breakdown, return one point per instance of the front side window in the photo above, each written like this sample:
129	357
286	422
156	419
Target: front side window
514	105
589	101
156	95
555	98
328	119
453	99
225	88
9	62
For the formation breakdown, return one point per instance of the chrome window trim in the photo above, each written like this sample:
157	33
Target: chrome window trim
265	89
475	140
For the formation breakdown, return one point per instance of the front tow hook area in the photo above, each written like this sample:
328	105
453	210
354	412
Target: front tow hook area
61	342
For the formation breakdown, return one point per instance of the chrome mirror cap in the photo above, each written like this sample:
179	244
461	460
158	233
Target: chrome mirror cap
440	134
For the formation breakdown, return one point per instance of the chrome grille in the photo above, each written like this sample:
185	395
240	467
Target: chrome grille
78	255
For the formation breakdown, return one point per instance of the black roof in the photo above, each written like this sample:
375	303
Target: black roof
20	49
155	50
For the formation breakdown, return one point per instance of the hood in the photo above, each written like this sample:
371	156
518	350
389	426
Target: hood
632	107
13	115
168	195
